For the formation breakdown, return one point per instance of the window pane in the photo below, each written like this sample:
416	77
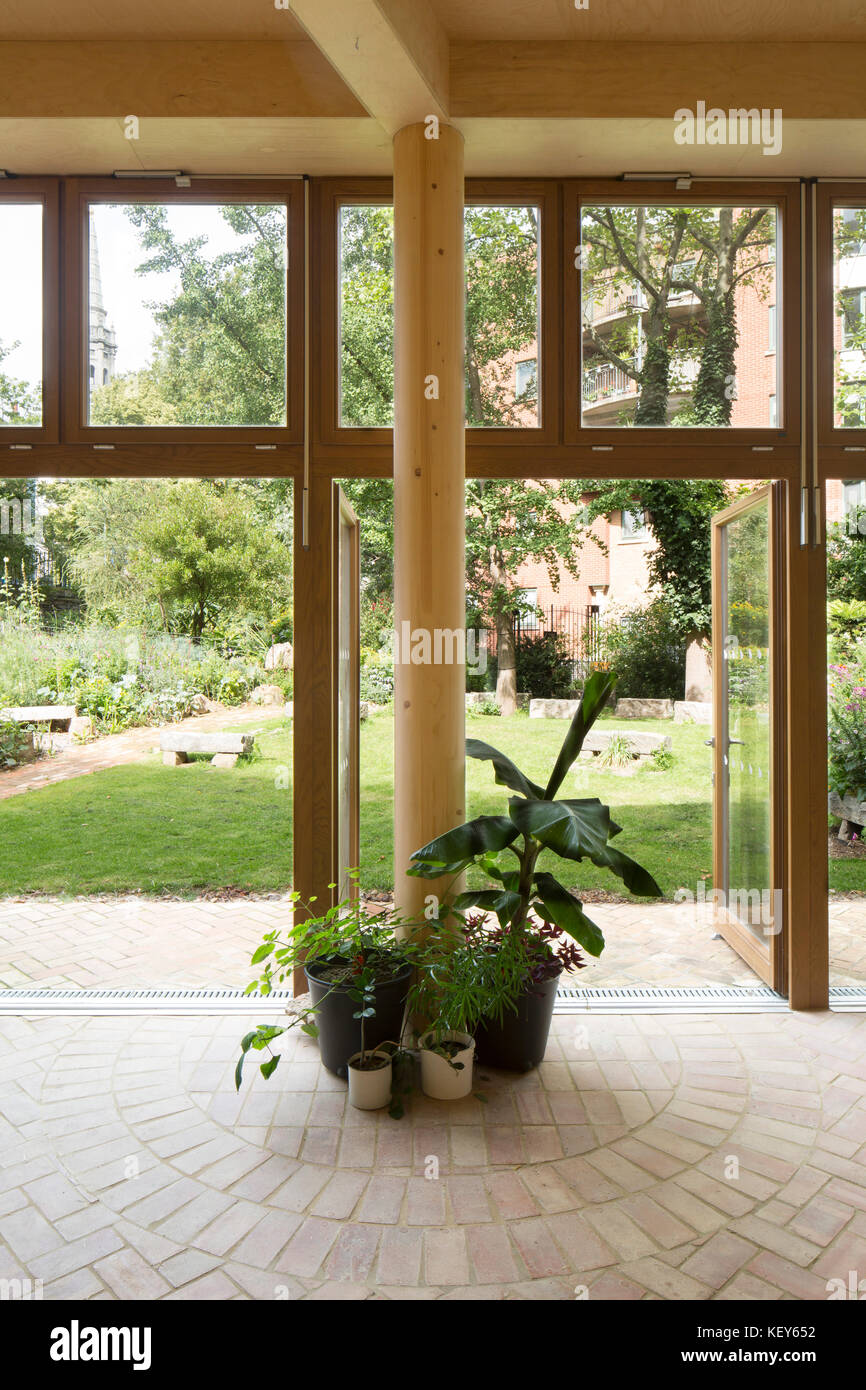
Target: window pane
849	324
503	329
680	322
366	268
187	314
20	314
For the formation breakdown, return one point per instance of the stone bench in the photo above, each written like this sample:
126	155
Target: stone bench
635	707
641	745
63	725
474	698
223	749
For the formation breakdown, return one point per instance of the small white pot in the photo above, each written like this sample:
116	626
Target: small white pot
439	1079
370	1090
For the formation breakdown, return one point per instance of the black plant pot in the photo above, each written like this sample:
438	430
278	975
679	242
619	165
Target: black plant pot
339	1032
519	1041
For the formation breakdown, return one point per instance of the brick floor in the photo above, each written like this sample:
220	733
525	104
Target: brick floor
91	943
698	1194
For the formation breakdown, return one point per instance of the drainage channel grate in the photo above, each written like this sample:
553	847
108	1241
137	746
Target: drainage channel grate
708	999
719	999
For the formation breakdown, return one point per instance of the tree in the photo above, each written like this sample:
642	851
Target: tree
20	403
200	548
662	252
678	515
184	555
510	522
846	557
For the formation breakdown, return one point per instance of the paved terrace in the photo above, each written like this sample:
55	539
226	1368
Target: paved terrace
130	1169
108	942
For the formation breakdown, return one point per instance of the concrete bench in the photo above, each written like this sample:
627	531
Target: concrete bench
63	725
553	709
693	712
641	745
223	749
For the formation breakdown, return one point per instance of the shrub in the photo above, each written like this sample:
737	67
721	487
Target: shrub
847	731
617	753
544	667
846	626
13	742
645	648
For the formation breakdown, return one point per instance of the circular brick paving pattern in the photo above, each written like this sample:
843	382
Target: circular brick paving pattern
648	1156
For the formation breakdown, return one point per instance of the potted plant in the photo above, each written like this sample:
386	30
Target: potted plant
454	987
359	974
370	1069
531	904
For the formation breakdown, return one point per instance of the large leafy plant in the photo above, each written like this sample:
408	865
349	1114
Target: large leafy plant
537	820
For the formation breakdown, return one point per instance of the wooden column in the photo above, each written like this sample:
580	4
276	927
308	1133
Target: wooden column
429	506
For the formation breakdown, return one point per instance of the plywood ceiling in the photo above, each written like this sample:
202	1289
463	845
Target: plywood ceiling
146	19
655	21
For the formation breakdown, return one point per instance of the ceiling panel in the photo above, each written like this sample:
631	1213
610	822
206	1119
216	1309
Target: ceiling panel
659	21
146	19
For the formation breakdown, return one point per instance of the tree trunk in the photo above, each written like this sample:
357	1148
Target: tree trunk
652	407
699	677
715	386
506	656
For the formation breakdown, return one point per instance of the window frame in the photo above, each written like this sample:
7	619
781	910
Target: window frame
785	196
44	191
545	195
835	443
79	194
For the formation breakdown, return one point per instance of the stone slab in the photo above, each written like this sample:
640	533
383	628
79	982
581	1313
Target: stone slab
846	808
634	707
641	744
693	712
553	709
224	760
179	741
39	714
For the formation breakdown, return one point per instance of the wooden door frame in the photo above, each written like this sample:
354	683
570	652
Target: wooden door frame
345	516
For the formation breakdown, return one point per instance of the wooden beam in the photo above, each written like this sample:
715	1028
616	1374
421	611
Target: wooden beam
192	79
392	54
531	80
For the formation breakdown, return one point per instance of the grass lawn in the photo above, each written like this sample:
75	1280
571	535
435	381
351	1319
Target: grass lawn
145	827
149	828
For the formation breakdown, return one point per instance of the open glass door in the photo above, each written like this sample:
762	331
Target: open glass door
347	693
748	711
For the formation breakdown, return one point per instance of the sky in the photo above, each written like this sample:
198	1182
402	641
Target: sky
127	296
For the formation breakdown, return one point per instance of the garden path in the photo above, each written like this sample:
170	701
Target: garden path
115	749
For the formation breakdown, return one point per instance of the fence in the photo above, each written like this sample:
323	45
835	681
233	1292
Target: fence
580	629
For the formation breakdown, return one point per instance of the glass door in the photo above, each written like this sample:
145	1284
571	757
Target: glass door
748	711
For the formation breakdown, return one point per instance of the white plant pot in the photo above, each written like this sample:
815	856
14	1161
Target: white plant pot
441	1080
370	1090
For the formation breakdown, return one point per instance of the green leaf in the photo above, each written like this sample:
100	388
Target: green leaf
263	951
565	910
580	830
507	773
596	694
450	853
504	904
268	1068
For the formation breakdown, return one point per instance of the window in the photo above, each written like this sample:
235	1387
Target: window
634	526
849	327
186	314
771	328
853	494
365	259
772	403
526	377
21	365
658	325
853	307
528	608
503	327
